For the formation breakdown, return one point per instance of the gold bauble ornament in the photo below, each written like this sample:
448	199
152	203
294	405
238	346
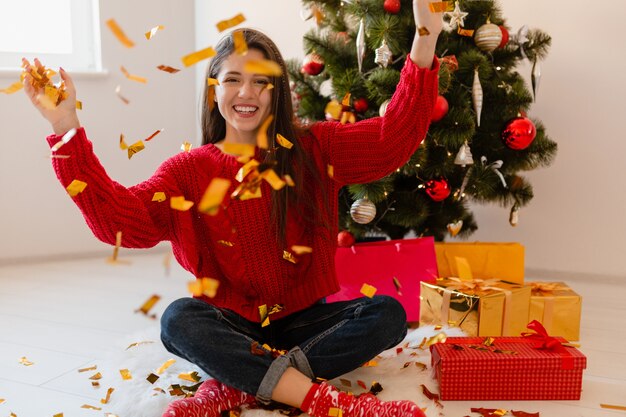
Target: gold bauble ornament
363	211
488	37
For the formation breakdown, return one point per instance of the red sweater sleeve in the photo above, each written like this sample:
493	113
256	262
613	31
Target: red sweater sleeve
370	149
109	207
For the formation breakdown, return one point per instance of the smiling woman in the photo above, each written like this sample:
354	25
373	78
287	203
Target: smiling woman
67	33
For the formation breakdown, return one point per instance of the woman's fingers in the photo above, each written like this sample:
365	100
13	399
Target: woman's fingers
69	83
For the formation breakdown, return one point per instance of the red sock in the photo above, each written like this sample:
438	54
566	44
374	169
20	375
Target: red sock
212	397
321	398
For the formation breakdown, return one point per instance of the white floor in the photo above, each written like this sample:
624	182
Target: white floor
64	316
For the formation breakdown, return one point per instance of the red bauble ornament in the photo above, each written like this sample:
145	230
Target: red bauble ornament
519	133
505	37
438	190
360	105
392	6
345	239
440	109
313	64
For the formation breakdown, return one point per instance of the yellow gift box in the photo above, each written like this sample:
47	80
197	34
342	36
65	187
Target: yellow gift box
557	307
488	260
479	307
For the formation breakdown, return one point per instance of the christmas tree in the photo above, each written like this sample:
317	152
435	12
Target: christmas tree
480	137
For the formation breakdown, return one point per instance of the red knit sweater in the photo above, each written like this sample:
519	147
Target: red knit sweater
252	271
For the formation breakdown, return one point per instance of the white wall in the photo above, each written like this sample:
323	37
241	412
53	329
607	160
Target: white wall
37	218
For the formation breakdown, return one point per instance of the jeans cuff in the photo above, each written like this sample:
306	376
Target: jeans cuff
294	358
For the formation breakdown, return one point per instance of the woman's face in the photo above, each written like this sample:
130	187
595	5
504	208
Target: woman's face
243	99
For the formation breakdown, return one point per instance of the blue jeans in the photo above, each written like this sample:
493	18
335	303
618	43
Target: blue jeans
324	340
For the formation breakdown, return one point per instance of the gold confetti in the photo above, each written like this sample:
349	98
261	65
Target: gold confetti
441	6
226	243
91	368
186	146
368	290
138	344
396	283
222	25
152	378
299	250
167	261
58	415
76	187
145	308
166	365
135	148
289	180
116	249
179	203
95	384
370	364
613	407
282	141
159	197
79	105
106	399
119	33
346	382
335	412
150	34
2	400
263	67
149	138
95	377
273	179
118	91
246	169
330	170
204	286
265	320
213	196
465	32
90	407
190	376
240	45
25	361
261	138
288	256
195	57
12	415
241	149
167	68
269	86
211	82
110	415
132	77
333	109
126	375
423	31
13	88
66	138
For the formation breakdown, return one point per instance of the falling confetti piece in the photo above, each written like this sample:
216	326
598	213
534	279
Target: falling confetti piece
152	378
58	415
396	283
299	250
91	368
288	256
96	376
613	407
335	412
116	249
118	91
166	365
186	146
2	400
132	77
441	6
273	179
167	68
229	23
79	105
159	197
204	286
179	203
66	138
138	344
226	243
263	67
241	149
282	141
368	290
126	375
147	306
289	180
119	33
13	88
195	57
330	170
239	43
95	384
135	148
265	320
213	196
261	139
149	138
90	407
370	364
150	34
190	376
76	187
345	382
106	399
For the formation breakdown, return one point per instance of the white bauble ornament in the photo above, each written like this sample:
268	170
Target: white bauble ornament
383	108
488	37
363	211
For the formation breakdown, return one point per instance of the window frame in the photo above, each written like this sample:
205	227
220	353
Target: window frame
86	57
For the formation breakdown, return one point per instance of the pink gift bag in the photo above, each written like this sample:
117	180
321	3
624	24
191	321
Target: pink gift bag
393	267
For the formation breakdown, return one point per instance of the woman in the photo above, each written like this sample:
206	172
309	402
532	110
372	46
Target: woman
247	245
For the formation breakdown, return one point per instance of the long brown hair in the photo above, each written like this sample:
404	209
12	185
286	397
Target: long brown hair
293	161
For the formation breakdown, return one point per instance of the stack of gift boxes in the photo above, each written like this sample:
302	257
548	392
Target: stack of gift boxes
481	290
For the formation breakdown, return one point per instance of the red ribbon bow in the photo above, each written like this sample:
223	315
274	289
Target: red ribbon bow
541	340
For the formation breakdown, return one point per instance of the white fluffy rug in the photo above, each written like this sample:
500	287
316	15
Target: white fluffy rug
396	372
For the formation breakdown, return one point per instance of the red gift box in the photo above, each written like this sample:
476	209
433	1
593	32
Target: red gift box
511	368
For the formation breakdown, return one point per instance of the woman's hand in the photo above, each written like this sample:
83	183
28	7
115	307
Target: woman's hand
63	117
424	18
